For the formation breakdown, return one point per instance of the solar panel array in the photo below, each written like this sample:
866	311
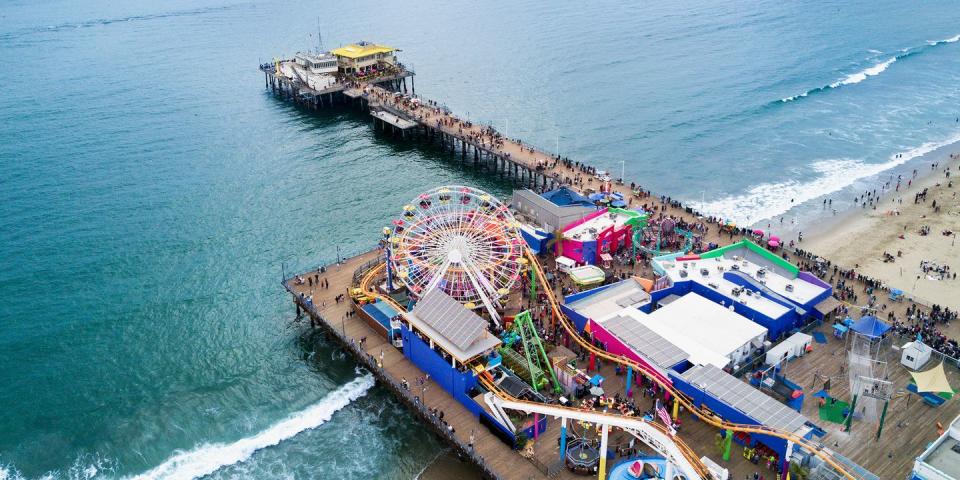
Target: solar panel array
635	334
632	299
449	318
743	397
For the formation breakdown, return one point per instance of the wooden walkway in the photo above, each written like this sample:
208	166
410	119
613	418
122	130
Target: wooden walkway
910	423
489	450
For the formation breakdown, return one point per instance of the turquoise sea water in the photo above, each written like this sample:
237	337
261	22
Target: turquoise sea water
152	191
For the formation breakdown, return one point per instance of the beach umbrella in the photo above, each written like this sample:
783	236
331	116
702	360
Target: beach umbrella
596	196
773	243
758	232
774	237
618	204
596	391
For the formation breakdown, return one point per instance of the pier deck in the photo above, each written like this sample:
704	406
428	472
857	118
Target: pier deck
394	120
910	423
499	458
908	428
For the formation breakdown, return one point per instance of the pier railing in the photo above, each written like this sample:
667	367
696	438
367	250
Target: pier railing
326	264
370	362
363	269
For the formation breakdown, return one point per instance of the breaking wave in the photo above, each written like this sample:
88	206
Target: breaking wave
770	200
876	69
209	458
107	21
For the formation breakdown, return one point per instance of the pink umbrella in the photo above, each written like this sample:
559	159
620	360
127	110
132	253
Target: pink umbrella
758	232
774	237
773	243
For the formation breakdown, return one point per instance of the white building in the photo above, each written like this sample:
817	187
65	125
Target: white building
941	460
710	333
318	63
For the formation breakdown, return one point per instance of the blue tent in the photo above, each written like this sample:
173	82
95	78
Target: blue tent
564	197
870	326
597	196
822	394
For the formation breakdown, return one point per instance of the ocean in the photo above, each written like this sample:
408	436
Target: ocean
153	193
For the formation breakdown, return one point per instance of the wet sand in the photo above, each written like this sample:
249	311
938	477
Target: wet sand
859	237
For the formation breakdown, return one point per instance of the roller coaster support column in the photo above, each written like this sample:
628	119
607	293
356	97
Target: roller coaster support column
785	475
536	426
629	380
533	286
676	408
563	437
727	442
603	453
389	273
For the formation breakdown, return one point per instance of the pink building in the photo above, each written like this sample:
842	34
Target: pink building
602	232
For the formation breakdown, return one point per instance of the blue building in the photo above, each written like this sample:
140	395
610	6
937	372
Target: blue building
759	284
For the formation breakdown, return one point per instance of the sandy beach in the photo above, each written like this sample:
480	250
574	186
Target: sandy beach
862	237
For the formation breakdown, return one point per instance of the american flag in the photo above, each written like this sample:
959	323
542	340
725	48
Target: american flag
665	417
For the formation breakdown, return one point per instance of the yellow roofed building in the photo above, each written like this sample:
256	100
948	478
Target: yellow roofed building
363	57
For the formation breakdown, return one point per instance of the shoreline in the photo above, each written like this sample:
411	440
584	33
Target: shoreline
815	221
857	238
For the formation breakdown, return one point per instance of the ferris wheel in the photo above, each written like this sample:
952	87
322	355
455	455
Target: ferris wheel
461	240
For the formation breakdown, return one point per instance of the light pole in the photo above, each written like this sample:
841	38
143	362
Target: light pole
703	195
623	165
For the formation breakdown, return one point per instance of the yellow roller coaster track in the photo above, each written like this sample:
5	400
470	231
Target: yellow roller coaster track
684	400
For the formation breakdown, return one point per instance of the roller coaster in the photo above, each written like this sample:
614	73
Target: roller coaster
689	457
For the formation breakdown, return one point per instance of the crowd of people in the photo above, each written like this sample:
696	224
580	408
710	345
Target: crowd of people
851	287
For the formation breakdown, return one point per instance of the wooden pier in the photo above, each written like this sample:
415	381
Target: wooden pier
495	458
413	117
419	120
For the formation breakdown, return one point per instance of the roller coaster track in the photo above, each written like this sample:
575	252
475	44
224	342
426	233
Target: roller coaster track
681	397
689	461
684	400
689	456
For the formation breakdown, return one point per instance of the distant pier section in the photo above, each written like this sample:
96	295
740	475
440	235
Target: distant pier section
321	79
370	76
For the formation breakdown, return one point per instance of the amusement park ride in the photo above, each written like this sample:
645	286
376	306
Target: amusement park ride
537	364
658	234
467	243
461	240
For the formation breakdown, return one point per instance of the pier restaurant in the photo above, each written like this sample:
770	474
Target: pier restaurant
363	57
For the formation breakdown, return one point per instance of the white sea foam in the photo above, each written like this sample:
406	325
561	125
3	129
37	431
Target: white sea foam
952	39
208	458
863	74
771	200
84	467
850	79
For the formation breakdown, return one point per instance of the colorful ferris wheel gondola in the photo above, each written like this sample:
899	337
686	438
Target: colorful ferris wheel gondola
461	240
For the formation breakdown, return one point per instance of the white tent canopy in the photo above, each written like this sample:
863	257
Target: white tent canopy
933	380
